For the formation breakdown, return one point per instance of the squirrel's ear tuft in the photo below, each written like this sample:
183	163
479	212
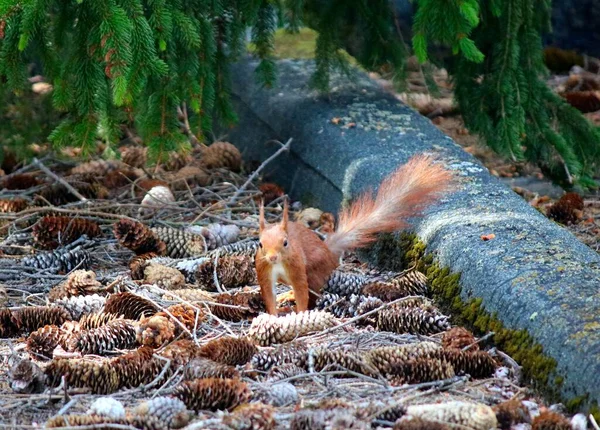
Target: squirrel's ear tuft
286	210
261	216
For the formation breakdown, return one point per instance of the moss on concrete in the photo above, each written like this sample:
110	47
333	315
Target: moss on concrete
398	253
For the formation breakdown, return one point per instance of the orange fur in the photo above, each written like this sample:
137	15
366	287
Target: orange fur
293	254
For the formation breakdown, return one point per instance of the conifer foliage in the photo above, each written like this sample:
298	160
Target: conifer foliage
147	62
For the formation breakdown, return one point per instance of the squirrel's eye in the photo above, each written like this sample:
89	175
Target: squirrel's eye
285	242
260	244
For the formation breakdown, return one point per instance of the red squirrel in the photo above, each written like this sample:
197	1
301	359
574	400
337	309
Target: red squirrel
292	254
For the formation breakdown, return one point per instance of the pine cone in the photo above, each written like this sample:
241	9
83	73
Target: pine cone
472	415
268	329
295	353
131	306
138	238
549	420
20	182
97	320
181	352
419	424
42	342
188	176
584	101
386	411
107	407
270	192
252	416
335	419
181	244
77	420
59	195
31	318
170	412
562	212
138	367
341	358
412	283
158	197
8	324
120	178
477	364
135	156
247	305
231	272
167	278
78	306
213	394
116	334
222	154
246	247
384	357
459	338
13	205
96	168
510	413
229	350
411	320
278	394
199	368
309	217
79	283
191	295
138	264
186	315
54	230
345	284
347	306
155	331
177	160
420	370
100	378
223	234
284	371
61	260
26	377
574	200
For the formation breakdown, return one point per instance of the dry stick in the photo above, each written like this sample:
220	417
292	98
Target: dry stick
253	176
61	181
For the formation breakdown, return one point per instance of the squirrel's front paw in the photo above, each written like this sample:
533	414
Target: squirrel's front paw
286	297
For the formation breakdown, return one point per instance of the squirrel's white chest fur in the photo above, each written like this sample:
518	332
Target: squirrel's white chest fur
278	274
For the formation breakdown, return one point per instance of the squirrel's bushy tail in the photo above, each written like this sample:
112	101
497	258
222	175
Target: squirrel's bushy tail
402	195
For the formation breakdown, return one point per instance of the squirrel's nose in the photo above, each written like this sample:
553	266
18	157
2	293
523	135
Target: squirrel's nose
273	258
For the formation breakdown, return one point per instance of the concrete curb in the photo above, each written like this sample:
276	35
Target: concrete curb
534	275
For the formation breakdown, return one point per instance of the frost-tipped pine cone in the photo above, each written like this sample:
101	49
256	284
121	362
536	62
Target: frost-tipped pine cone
79	283
12	205
213	394
170	412
116	334
192	295
78	306
222	154
412	320
138	264
412	283
325	358
231	272
167	278
246	247
180	243
229	350
130	305
384	357
345	284
61	260
269	329
138	238
26	377
52	231
475	416
238	306
295	353
224	234
42	342
347	306
199	368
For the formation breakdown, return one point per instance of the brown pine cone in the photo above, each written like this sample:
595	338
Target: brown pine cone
222	154
199	368
52	231
420	370
270	191
130	305
411	320
167	278
135	156
384	357
119	178
146	184
229	350
419	424
138	367
20	182
99	377
584	101
549	420
138	263
13	205
179	243
137	237
477	364
290	353
213	394
79	283
251	416
231	272
412	283
325	358
58	194
186	315
79	420
8	324
26	377
31	318
562	212
97	320
238	306
181	352
510	413
574	200
155	331
459	338
116	334
188	177
41	343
